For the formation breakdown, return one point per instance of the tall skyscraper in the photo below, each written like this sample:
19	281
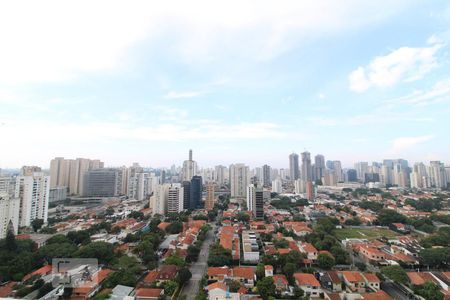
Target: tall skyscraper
33	192
220	175
70	173
277	185
319	166
351	175
175	198
9	214
209	200
337	167
294	167
239	179
306	173
361	169
196	192
266	175
189	168
255	201
438	175
159	200
187	194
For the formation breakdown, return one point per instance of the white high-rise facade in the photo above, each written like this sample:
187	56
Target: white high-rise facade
175	198
306	173
239	179
277	185
438	175
361	169
189	168
33	192
9	214
220	175
158	202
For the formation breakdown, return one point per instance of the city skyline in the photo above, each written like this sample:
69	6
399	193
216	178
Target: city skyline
254	81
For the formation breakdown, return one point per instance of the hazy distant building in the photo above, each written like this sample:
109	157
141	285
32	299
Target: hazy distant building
159	200
361	169
189	168
101	183
195	199
310	192
209	200
352	175
239	179
337	167
58	194
277	185
70	173
294	170
266	175
220	175
438	175
319	167
306	173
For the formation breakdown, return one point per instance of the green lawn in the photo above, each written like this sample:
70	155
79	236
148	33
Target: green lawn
369	234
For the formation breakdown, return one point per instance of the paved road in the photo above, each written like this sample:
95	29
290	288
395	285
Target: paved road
394	291
199	268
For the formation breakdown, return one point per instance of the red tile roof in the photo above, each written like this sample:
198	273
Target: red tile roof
379	295
306	279
147	292
371	277
244	272
47	269
353	276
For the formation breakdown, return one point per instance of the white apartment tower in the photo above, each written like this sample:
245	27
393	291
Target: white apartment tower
33	192
175	198
239	178
189	168
277	185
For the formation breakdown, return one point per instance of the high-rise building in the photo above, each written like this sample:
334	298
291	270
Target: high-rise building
310	193
294	167
266	175
277	185
70	173
352	175
187	194
189	168
9	215
438	175
101	183
209	200
239	178
159	200
337	167
33	192
419	177
220	175
255	201
175	196
306	173
319	166
299	186
361	169
195	199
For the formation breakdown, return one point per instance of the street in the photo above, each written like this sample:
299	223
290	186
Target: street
198	269
394	291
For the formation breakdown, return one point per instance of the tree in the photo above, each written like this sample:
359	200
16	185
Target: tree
361	266
37	224
192	253
58	239
79	237
435	257
289	269
169	287
429	291
10	241
282	243
395	273
103	251
175	260
266	287
175	227
234	286
56	250
243	217
183	276
260	271
109	211
138	215
44	290
298	292
389	216
340	255
219	256
325	261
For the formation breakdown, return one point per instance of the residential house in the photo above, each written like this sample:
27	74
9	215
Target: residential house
281	282
331	281
372	281
149	293
219	291
354	281
308	283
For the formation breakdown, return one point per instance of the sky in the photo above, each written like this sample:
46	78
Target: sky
236	81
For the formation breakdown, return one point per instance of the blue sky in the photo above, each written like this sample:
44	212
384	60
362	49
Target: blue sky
237	81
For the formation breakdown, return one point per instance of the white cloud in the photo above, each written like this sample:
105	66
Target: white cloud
439	92
53	40
402	144
403	64
185	94
320	121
